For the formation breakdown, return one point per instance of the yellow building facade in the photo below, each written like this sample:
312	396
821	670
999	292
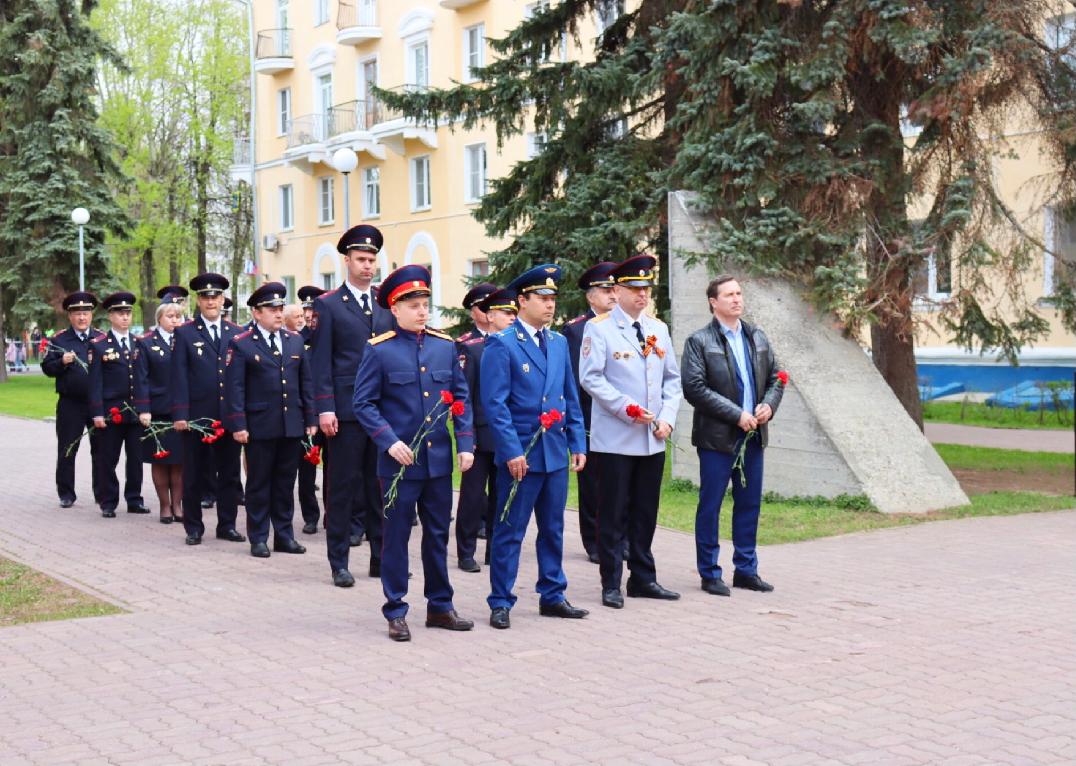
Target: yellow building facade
315	64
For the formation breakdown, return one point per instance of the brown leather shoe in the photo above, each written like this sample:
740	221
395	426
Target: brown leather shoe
448	620
398	630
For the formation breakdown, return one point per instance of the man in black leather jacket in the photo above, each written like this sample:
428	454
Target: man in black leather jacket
730	376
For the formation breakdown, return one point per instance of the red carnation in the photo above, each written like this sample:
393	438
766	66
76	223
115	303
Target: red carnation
215	424
113	410
457	408
546	420
555	414
447	397
117	418
162	454
634	411
218	431
782	377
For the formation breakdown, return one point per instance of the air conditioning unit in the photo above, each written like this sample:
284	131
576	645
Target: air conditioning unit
270	243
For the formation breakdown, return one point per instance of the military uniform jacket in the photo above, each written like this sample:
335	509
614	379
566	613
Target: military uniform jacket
614	371
573	331
198	370
337	342
153	374
398	390
471	334
519	383
268	394
71	380
112	376
470	361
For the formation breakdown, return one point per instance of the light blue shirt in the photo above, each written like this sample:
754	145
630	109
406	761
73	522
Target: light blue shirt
738	343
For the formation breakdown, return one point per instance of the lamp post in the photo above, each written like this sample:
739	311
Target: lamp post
345	160
80	216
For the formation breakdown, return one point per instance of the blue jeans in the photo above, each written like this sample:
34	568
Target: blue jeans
715	471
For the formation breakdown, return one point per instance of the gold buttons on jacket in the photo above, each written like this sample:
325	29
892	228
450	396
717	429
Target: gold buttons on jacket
425	393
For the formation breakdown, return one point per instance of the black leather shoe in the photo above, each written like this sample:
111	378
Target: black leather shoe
66	502
611	597
639	589
448	620
375	567
166	519
259	551
207	503
310	528
469	565
562	609
231	536
751	582
593	558
398	630
287	546
498	618
108	513
716	587
354	541
343	579
194	540
137	509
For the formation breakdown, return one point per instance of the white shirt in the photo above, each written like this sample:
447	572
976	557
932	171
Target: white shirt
266	333
121	339
166	336
533	332
357	293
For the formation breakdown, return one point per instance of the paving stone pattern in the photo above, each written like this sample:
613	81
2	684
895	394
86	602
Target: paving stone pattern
946	643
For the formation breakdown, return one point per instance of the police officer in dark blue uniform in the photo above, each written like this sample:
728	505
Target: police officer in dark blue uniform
478	493
526	373
308	498
398	394
269	405
480	322
198	394
597	283
67	361
112	407
176	294
343	321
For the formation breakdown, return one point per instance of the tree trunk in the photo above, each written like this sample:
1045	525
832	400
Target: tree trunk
149	305
3	338
894	356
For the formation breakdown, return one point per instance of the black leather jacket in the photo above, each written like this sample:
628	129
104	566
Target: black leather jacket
708	371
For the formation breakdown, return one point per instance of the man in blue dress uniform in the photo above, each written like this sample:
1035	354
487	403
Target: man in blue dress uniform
627	361
269	405
198	394
111	374
308	472
597	285
478	493
343	321
398	393
525	373
480	321
73	388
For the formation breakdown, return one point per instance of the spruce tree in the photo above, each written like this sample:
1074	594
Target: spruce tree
53	156
786	117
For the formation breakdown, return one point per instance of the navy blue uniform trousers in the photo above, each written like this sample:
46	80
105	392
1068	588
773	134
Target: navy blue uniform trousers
715	472
272	465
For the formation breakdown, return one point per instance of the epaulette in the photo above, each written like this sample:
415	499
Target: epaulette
99	338
382	337
438	334
601	317
506	332
465	337
244	334
551	331
229	323
327	293
475	341
188	323
578	319
145	335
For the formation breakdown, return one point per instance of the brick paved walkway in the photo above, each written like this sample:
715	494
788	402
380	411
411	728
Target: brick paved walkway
948	643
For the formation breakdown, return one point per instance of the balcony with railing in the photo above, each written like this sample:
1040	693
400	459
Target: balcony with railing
349	124
240	169
392	128
307	130
356	22
455	5
272	53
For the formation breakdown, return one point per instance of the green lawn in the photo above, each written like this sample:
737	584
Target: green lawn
27	595
28	396
976	414
989	459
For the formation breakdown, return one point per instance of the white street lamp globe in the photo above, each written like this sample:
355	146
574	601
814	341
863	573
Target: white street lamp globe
345	160
80	216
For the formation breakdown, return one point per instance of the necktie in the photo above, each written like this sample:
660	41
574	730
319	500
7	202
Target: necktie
216	338
541	342
639	334
123	343
272	342
366	304
82	337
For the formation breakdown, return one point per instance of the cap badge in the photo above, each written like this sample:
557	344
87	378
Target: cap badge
551	270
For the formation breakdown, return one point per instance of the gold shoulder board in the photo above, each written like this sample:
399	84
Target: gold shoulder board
382	337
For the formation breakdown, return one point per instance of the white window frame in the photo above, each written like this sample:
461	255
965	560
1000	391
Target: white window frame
932	280
328	280
286	201
473	55
411	46
321	109
360	78
289	287
600	22
536	143
367	13
371	180
475	160
529	11
326	194
321	12
420	168
283	106
475	271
